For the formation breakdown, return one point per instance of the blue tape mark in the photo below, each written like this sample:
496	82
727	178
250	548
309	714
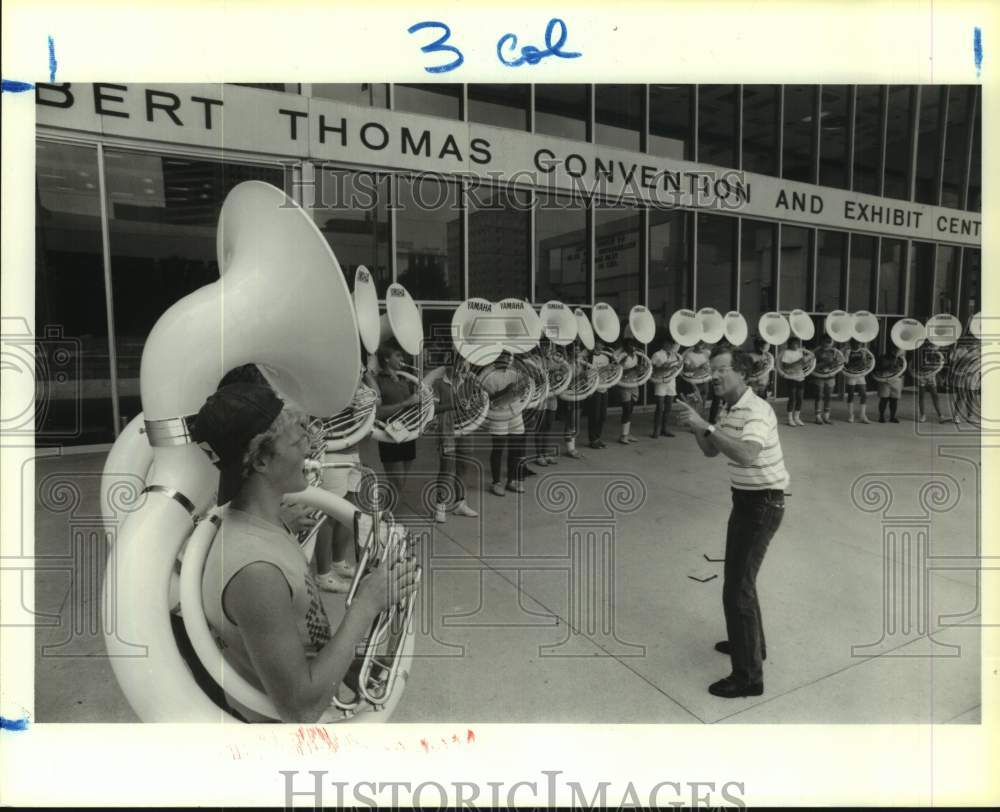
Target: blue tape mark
11	86
52	60
13	724
977	48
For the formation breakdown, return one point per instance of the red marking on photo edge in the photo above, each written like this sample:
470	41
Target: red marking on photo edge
470	737
425	745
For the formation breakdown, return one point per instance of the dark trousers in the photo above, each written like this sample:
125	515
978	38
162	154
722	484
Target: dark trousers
514	443
755	518
545	444
597	415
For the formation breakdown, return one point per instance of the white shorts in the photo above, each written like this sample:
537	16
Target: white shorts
661	390
513	425
346	476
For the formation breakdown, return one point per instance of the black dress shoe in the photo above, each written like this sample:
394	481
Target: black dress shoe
530	471
729	688
723	647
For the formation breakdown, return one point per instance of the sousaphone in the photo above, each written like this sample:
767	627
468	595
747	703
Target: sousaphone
773	327
641	328
801	325
907	335
509	382
558	326
943	331
864	328
830	362
584	380
687	328
607	328
402	322
470	333
281	303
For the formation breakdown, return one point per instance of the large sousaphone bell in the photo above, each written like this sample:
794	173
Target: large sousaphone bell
943	330
470	326
802	327
907	335
517	328
281	303
402	322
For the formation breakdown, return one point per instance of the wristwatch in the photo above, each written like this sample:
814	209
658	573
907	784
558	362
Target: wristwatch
709	431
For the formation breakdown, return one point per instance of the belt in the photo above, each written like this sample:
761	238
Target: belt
762	492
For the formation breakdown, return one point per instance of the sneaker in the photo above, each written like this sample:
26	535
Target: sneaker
463	509
799	420
329	582
922	418
440	516
654	435
819	420
498	489
944	420
515	487
528	471
864	418
573	454
791	421
541	461
630	439
623	440
343	569
850	418
601	444
826	419
552	460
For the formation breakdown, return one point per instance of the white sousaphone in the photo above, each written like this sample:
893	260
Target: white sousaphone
558	326
943	331
641	328
687	329
508	380
281	303
864	328
607	328
773	327
402	322
838	326
470	399
907	335
524	330
802	327
735	328
585	379
666	366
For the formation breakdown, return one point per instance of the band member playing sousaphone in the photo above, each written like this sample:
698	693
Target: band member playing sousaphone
627	356
859	363
964	373
667	365
606	327
829	362
559	330
795	363
906	335
763	365
930	360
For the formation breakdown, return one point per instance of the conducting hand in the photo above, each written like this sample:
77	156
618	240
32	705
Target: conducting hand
687	418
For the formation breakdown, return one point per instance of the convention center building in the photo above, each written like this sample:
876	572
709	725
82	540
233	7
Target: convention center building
738	197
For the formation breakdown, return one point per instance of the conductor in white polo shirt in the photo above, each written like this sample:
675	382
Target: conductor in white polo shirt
747	435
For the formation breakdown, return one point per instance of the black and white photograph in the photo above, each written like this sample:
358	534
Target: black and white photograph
449	404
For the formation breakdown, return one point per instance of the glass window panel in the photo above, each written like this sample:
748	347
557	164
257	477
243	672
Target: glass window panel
617	258
670	109
499	243
971	300
868	139
862	278
798	156
796	268
438	344
946	278
928	143
717	125
669	262
563	256
366	94
956	143
352	211
72	360
499	105
831	251
618	115
833	136
921	286
429	100
890	277
897	142
757	263
429	238
163	216
760	128
975	162
562	110
715	263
